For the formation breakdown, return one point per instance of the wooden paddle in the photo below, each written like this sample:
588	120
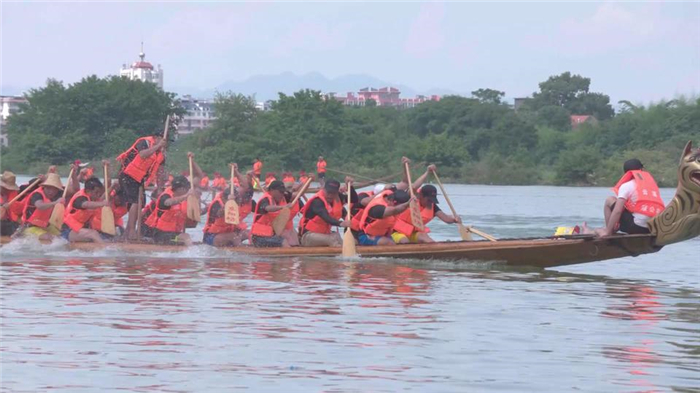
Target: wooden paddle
416	218
56	219
107	212
193	208
231	215
139	216
349	249
20	195
464	232
167	128
281	220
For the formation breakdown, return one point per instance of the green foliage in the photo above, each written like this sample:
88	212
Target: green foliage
476	140
90	120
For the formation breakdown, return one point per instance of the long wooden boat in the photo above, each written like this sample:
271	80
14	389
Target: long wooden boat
543	252
680	221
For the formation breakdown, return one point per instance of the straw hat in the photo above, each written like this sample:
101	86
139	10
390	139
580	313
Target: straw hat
8	181
53	180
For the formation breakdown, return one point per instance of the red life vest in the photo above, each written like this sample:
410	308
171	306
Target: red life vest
168	220
355	221
243	211
257	168
14	211
379	226
404	223
316	224
38	218
649	202
219	224
262	223
76	219
139	167
119	212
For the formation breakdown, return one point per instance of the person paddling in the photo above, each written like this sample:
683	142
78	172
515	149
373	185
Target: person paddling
637	200
216	231
81	209
406	232
167	222
321	170
140	166
39	206
378	218
324	210
12	214
267	209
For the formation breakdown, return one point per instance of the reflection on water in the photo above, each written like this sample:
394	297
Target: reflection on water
323	324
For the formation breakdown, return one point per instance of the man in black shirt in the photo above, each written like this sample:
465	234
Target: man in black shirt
325	209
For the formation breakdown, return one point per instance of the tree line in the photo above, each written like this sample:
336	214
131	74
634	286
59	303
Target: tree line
477	139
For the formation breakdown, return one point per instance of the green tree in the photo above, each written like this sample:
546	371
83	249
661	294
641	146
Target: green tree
572	93
488	96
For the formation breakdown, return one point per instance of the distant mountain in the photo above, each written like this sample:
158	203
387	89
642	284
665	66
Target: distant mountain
267	87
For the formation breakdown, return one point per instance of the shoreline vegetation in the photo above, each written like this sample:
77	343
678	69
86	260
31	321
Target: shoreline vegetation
473	140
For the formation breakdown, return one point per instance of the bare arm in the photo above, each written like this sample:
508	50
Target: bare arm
446	218
419	182
94	204
614	217
145	153
394	210
41	205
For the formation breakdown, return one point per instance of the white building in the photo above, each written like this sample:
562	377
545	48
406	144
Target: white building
200	115
143	70
10	106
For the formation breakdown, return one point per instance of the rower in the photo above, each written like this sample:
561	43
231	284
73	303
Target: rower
288	177
257	169
219	182
168	219
39	206
323	210
268	207
117	201
81	209
637	200
321	170
140	166
290	233
303	177
150	207
378	218
12	216
216	231
405	232
204	182
269	178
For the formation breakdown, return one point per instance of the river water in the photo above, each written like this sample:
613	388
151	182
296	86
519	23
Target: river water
207	320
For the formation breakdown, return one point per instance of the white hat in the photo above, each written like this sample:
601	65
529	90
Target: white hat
379	188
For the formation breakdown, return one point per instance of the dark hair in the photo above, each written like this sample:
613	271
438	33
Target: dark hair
332	185
277	185
92	183
180	182
632	165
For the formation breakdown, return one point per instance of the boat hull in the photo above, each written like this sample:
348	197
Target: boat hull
543	252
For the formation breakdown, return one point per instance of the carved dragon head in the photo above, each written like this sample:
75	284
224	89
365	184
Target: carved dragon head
681	218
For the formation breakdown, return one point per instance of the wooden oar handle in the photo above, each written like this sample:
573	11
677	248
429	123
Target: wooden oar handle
167	128
349	205
444	194
191	171
301	191
24	192
70	177
106	166
233	170
408	178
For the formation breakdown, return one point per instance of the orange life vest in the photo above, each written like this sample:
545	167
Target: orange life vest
303	179
147	210
317	224
168	220
39	218
321	166
204	183
357	216
220	183
119	213
219	224
76	219
288	179
14	211
140	168
269	179
379	226
244	211
294	210
649	202
262	223
404	223
257	168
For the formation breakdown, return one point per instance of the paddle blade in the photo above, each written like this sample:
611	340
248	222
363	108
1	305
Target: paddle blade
231	216
56	219
416	218
280	222
464	233
349	249
193	209
108	221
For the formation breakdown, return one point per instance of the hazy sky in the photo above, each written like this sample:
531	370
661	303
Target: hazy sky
635	51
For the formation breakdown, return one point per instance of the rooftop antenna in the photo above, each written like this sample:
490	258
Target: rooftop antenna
141	54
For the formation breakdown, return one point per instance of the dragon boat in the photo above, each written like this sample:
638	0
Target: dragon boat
680	221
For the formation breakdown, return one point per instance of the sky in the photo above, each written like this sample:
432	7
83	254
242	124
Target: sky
637	51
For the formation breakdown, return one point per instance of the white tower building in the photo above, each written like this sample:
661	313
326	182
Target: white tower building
143	70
